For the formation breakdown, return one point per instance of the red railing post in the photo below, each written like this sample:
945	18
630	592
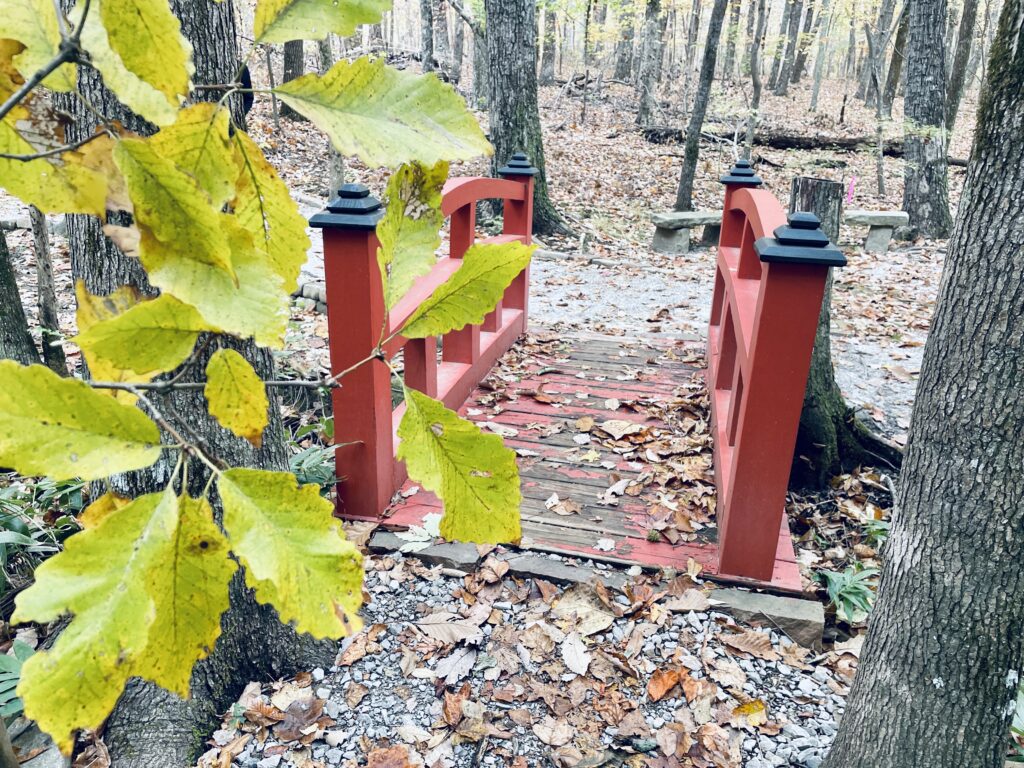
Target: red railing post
356	318
768	294
519	222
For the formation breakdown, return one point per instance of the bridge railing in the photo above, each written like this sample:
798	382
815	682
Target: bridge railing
366	421
769	285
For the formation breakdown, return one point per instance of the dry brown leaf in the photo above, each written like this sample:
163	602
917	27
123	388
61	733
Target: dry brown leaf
661	682
690	600
393	757
757	644
354	694
451	708
554	732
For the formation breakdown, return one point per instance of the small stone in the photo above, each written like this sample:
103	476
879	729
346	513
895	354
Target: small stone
270	762
318	674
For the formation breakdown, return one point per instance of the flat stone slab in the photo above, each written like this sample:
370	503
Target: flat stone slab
557	572
877	218
686	219
453	554
802	620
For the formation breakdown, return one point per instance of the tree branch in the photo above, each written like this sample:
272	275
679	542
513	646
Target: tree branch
51	152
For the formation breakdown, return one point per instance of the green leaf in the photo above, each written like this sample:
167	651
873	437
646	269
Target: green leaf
63	429
278	21
385	116
473	473
147	38
131	90
255	304
174	215
264	208
33	23
199	143
236	395
295	554
473	291
410	231
146	587
149	338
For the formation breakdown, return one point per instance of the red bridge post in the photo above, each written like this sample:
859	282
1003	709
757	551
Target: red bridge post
356	318
767	297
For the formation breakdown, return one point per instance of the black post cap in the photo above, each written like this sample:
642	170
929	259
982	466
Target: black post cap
800	242
742	175
519	165
353	208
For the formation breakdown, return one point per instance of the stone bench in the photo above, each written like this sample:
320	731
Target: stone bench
881	225
672	230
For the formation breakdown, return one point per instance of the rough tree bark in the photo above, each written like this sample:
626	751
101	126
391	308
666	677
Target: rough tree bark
458	50
880	36
684	194
939	672
732	33
46	296
804	41
151	728
958	72
480	77
780	43
512	101
294	66
15	340
829	439
427	36
781	86
335	163
895	71
926	171
823	29
547	52
647	79
756	43
624	46
442	45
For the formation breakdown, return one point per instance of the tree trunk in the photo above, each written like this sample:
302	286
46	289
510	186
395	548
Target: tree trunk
779	48
732	33
756	43
294	66
512	101
958	72
803	45
892	78
481	76
151	728
336	163
684	195
786	71
925	178
829	439
547	53
458	50
624	47
442	45
647	81
880	38
46	296
824	28
427	35
692	29
15	340
938	675
752	13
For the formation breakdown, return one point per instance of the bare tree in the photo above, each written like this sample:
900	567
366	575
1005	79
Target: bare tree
756	44
958	72
294	66
892	77
427	35
46	296
547	50
15	340
647	81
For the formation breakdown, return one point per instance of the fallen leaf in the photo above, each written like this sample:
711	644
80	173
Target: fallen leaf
661	682
757	644
553	732
574	654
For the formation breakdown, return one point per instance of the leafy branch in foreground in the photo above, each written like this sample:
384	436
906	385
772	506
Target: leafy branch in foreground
219	236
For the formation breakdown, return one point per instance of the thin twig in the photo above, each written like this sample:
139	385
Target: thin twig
66	55
51	152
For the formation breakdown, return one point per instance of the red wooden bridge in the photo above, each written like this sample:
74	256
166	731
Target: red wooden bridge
602	426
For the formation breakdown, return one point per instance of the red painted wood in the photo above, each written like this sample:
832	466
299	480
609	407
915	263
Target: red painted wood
763	321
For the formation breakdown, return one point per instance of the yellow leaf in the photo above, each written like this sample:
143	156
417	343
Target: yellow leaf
278	21
146	586
94	309
236	396
105	505
255	305
385	116
34	24
150	337
295	554
199	143
474	474
63	429
131	90
147	38
175	216
752	713
264	207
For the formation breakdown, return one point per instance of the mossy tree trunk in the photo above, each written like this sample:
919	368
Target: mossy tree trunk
938	676
830	439
151	728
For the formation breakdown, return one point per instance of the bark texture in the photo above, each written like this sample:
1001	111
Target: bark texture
151	728
427	35
647	78
938	676
803	43
442	45
514	116
46	296
756	42
732	33
895	71
624	47
778	50
684	195
958	71
926	172
781	85
15	340
547	53
829	439
294	66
